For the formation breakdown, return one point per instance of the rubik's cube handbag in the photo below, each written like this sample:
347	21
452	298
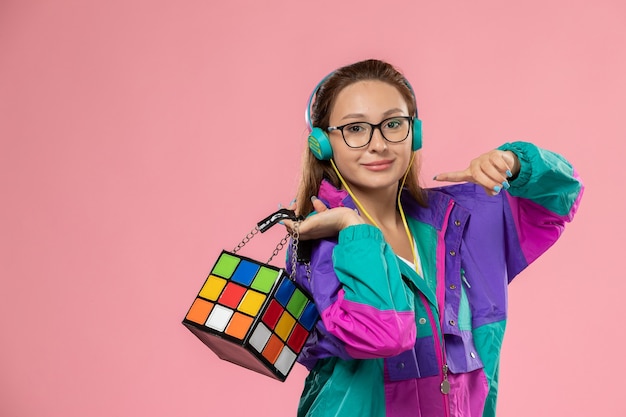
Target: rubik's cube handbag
252	313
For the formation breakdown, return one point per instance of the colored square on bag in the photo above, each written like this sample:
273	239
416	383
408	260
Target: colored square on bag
259	337
232	295
219	318
212	288
245	272
199	311
283	294
239	325
297	338
309	316
284	326
225	265
272	349
285	361
272	314
297	303
251	303
264	280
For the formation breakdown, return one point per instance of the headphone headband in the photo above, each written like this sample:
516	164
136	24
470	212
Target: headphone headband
307	112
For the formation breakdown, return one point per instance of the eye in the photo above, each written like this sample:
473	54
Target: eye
393	123
355	128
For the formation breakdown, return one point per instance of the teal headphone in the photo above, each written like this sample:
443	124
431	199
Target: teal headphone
319	142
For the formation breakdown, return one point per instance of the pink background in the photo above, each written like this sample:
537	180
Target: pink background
139	138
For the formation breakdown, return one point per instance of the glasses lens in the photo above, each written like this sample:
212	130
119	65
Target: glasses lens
395	129
357	134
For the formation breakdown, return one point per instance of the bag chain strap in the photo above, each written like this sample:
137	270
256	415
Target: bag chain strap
294	248
246	239
294	253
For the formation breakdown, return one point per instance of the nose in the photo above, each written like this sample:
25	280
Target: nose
378	142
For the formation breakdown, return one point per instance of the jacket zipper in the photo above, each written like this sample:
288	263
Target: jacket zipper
440	343
444	386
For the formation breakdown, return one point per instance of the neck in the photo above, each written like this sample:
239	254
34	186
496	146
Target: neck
380	205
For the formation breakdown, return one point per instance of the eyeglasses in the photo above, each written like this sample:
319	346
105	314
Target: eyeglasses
358	135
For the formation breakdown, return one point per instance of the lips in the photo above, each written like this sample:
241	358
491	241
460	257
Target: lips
378	165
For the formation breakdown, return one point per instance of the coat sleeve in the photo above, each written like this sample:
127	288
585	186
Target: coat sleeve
362	298
542	199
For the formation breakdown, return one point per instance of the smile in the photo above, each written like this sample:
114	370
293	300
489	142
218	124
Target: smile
378	165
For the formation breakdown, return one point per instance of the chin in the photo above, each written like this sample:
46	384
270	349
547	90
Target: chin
374	184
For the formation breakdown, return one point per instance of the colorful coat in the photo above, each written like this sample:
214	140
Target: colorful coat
378	349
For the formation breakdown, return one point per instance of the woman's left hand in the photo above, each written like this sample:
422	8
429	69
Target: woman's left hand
325	222
490	170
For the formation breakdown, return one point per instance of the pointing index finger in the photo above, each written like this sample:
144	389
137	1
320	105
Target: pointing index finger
454	176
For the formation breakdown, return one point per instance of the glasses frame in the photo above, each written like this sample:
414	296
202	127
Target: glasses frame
373	127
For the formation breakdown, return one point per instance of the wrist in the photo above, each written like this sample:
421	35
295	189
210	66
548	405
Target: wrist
351	218
516	166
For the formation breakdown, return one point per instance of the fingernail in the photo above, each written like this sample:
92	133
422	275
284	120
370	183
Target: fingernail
509	173
292	201
280	205
497	189
435	177
281	222
313	198
505	185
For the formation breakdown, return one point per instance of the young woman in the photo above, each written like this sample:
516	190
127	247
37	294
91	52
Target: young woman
411	284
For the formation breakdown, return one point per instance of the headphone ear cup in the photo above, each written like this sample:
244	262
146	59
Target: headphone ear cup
319	144
417	134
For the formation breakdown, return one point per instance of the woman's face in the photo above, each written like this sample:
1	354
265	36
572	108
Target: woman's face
380	164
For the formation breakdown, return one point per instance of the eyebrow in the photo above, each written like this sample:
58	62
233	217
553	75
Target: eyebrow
362	116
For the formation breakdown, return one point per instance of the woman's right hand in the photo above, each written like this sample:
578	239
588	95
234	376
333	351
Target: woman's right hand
325	222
